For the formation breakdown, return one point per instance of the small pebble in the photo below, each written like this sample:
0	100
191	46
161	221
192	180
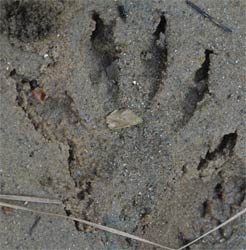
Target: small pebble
33	84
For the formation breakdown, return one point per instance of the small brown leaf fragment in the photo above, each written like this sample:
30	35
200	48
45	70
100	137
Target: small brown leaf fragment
39	94
122	119
7	210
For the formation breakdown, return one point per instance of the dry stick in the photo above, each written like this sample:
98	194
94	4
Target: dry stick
98	226
29	199
117	232
206	15
216	228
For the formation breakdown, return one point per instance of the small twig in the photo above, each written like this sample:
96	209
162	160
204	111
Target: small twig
35	223
206	15
97	226
120	233
216	228
29	199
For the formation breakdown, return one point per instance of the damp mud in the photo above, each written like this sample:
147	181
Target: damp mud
66	66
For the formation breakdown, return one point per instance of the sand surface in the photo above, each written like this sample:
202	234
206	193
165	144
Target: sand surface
66	65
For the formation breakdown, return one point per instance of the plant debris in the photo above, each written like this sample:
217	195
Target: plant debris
206	15
7	210
123	119
39	94
115	231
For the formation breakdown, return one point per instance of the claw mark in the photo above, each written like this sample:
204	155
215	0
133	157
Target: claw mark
122	12
225	147
102	40
197	93
157	64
